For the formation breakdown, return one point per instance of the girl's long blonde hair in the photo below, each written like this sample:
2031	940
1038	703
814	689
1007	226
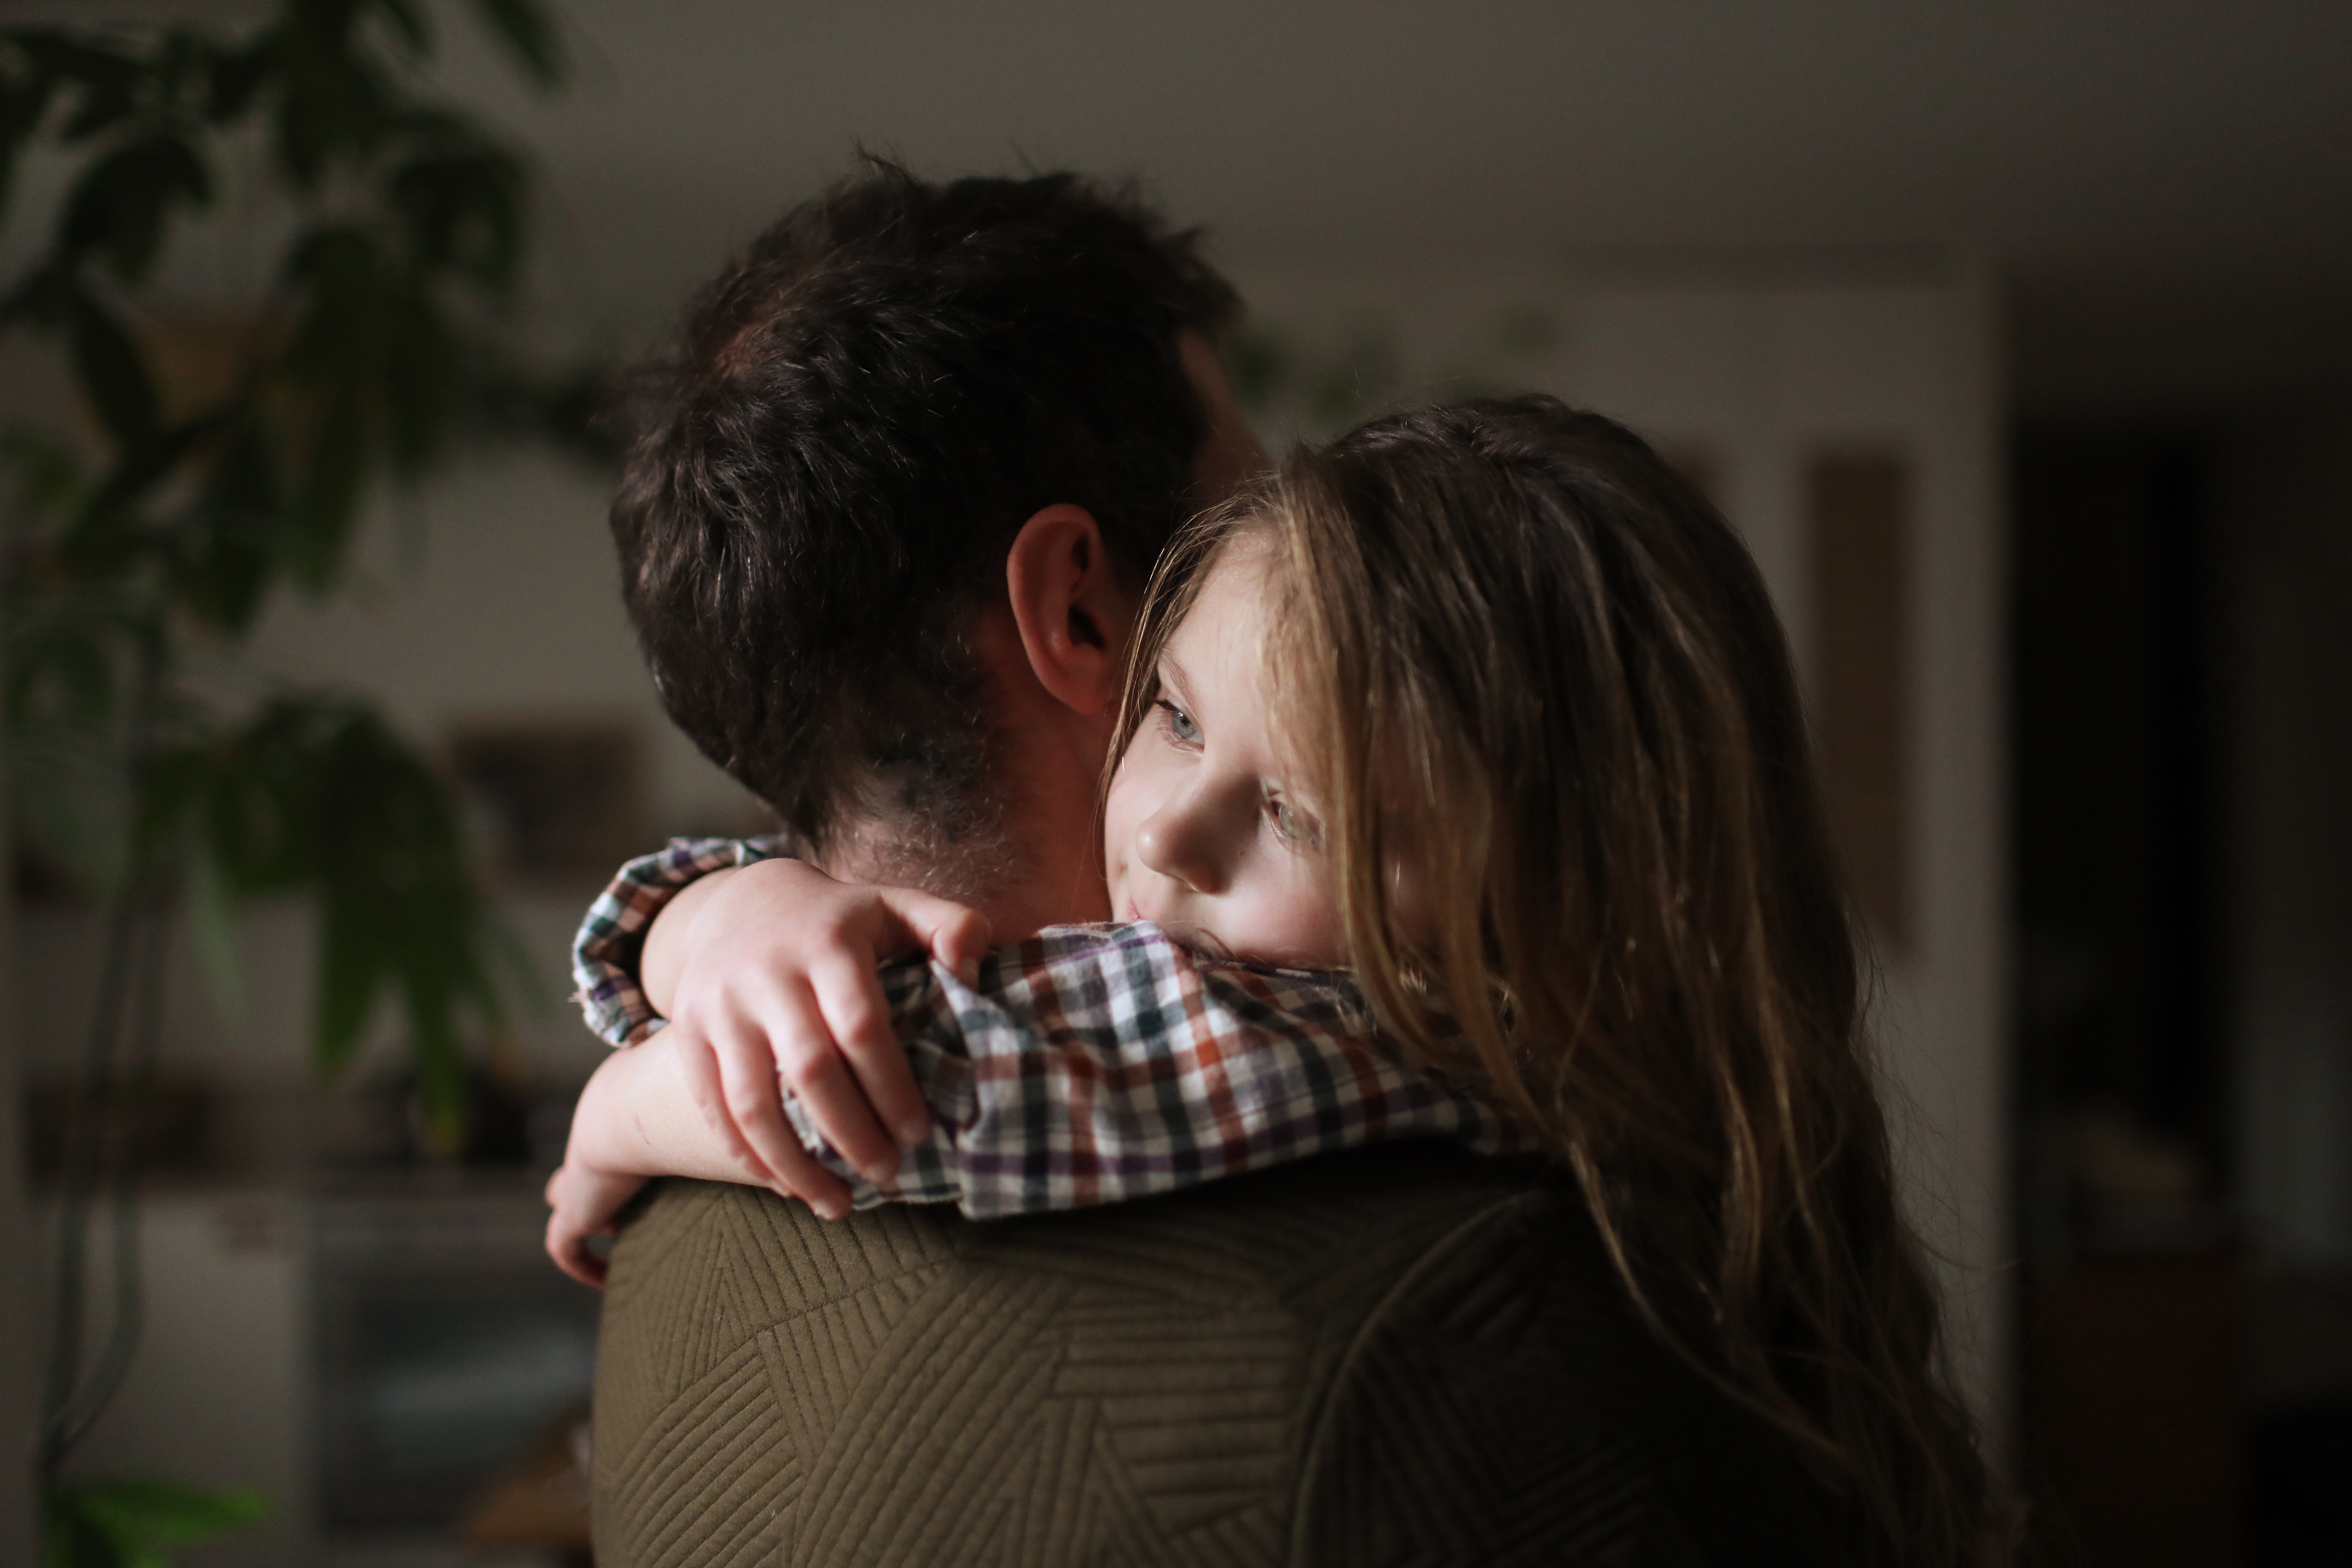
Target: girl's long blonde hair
1532	676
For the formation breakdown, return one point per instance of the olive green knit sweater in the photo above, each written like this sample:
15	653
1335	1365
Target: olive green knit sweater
1401	1355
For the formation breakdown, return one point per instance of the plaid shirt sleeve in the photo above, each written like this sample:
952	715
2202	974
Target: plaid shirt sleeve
1096	1064
604	953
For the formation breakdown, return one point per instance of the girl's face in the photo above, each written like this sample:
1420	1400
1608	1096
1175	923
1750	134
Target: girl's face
1203	835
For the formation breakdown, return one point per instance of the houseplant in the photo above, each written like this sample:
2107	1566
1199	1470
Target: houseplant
161	509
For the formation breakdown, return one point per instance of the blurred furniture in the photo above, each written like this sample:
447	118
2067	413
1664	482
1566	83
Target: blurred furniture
2299	1401
2135	1412
555	802
446	1345
540	1504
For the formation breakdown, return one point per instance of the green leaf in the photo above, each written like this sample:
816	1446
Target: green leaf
422	375
42	298
372	352
228	542
239	76
521	970
412	25
26	91
256	821
464	212
393	863
339	336
351	964
333	485
104	80
181	71
49	476
434	1043
61	671
212	918
113	371
335	104
170	788
69	797
107	532
120	205
137	1523
529	35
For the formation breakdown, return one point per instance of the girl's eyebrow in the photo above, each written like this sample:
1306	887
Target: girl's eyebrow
1171	674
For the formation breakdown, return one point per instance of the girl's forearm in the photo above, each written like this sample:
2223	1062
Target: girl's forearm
640	1116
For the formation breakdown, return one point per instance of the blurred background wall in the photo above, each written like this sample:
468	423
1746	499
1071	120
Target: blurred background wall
2017	339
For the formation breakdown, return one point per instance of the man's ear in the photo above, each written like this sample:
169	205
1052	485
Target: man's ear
1073	613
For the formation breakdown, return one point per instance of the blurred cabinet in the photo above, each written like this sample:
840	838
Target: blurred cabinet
370	1354
2135	1414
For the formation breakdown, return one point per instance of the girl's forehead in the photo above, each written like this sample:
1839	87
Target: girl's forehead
1231	635
1236	658
1236	576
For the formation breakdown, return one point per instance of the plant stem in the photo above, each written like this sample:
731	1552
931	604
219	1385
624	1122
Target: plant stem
85	1170
138	1079
103	1122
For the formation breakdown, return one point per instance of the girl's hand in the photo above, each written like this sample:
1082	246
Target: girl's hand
584	1201
773	986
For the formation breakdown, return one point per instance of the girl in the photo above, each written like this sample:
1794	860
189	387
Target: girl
1487	706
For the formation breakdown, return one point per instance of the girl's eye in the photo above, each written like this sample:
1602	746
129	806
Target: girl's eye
1293	825
1179	724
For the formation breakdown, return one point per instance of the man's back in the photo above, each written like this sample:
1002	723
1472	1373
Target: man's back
1402	1354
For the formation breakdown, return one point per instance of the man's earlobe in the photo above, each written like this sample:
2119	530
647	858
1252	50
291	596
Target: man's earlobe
1072	611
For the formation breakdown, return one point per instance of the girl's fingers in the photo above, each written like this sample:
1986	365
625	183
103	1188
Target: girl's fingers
801	1177
955	936
569	1247
848	992
809	1063
789	1169
754	1105
698	1058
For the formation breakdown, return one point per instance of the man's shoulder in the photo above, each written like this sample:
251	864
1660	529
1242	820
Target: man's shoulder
1326	1351
1306	1227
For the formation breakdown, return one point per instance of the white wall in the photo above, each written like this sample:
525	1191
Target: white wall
217	1397
493	594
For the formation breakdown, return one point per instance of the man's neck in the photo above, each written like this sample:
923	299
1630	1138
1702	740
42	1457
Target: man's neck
1019	881
1036	861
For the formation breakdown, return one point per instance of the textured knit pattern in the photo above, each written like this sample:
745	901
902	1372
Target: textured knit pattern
1401	1355
1090	1065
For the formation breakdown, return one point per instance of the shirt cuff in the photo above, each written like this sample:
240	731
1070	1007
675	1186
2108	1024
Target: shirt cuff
604	954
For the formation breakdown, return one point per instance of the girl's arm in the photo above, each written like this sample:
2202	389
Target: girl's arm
768	974
648	1111
770	964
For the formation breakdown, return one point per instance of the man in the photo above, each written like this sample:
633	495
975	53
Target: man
882	539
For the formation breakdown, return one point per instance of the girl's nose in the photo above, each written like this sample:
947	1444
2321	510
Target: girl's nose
1180	841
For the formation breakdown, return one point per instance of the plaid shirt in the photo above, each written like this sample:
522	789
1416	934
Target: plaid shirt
1091	1064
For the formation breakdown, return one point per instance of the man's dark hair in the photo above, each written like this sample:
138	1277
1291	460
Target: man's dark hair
860	414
